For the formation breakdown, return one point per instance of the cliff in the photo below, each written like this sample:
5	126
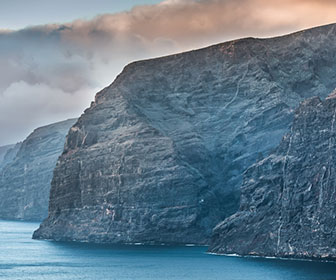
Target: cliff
288	199
26	175
159	155
3	151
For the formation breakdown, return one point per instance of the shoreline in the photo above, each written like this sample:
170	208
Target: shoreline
318	260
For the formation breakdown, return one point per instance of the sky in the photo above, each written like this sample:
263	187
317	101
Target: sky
17	14
55	55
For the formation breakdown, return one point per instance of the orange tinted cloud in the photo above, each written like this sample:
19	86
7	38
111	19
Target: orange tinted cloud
191	23
71	61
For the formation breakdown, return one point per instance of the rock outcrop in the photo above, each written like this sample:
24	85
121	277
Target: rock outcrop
26	175
159	155
288	199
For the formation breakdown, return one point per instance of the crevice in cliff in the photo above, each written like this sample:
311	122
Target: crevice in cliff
238	88
284	191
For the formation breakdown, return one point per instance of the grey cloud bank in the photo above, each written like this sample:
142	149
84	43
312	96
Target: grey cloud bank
51	72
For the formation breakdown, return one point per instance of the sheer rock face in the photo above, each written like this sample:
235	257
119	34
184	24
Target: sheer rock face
288	199
26	176
159	155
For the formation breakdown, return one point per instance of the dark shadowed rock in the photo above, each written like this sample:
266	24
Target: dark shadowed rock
26	176
288	199
159	155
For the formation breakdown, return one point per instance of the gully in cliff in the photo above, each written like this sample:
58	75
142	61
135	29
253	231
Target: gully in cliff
288	199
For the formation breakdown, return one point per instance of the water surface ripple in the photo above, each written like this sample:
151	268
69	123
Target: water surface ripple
27	259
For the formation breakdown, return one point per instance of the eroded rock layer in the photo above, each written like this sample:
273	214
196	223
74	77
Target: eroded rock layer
159	155
288	199
26	175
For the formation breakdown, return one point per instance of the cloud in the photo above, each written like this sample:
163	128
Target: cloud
51	72
46	104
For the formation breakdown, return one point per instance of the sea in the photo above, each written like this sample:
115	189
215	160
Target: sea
21	257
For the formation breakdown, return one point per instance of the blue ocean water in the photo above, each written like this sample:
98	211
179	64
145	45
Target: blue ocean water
24	258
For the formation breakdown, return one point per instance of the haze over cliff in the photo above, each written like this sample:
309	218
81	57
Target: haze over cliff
3	152
27	171
159	155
